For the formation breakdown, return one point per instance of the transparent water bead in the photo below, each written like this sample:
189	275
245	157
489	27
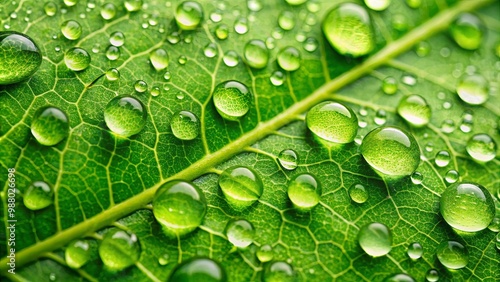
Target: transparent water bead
39	195
432	275
222	31
117	39
159	59
240	233
415	110
133	5
417	178
77	59
279	271
389	85
112	74
20	55
185	125
232	99
401	277
333	122
71	29
140	86
289	58
241	25
442	158
50	126
210	50
50	9
277	78
179	207
358	193
77	253
415	251
467	206
125	115
119	249
467	31
481	147
265	253
189	15
452	255
375	239
241	186
304	191
256	54
473	89
348	28
231	58
108	11
391	151
198	269
286	20
288	159
377	5
451	176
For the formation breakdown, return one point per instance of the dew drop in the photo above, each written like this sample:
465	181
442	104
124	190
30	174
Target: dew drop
155	91
231	58
159	59
332	122
241	186
222	31
50	9
173	38
432	275
189	15
467	31
240	233
185	125
50	126
380	117
277	78
481	147
179	207
112	74
348	29
415	110
39	195
375	239
442	158
125	115
448	126
415	251
358	193
409	80
77	253
452	255
423	48
401	277
70	3
391	143
377	5
164	259
389	85
117	39
279	270
241	25
95	48
265	253
133	5
216	16
256	54
467	206
451	176
417	178
304	191
108	11
286	20
210	50
232	99
289	58
119	249
198	269
495	224
140	86
21	57
473	89
310	44
288	159
414	4
113	53
182	60
72	30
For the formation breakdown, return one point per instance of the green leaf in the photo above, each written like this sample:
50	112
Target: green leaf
101	181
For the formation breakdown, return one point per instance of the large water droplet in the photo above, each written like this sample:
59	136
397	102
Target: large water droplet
77	59
415	251
50	126
481	147
467	206
451	176
20	57
333	122
279	271
240	233
72	30
452	255
39	195
473	89
265	253
289	58
179	207
232	99
415	110
159	59
288	159
348	29
133	5
119	249
467	31
77	253
377	5
189	15
125	115
256	54
185	125
241	186
375	239
358	193
198	269
304	192
391	151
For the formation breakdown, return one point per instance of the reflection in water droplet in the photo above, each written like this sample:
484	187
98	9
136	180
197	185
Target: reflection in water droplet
222	31
265	253
286	20
231	58
112	74
473	89
197	270
442	158
185	125
241	26
140	86
113	53
358	193
304	192
188	15
451	176
232	99
481	147
241	186
389	85
288	159
117	39
210	50
77	253
240	233
452	255
108	11
375	239
125	115
467	31
277	78
377	5
72	30
333	122
415	251
119	249
159	59
417	178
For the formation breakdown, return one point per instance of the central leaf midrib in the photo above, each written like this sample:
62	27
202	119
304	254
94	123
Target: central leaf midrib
203	166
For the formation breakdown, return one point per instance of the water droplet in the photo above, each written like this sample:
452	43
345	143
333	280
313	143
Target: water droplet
77	253
164	259
216	16
452	255
375	239
113	53
179	207
417	178
70	3
189	15
415	251
241	26
140	86
232	99
467	206
401	277
409	80
377	5
222	31
265	253
20	57
180	96
448	126
349	31
384	144
415	110
188	38
241	186
133	5
277	78
231	58
358	193
432	275
108	11
119	249
125	115
333	122
52	276
173	37
198	269
77	59
39	195
423	48
254	5
467	31
50	126
389	85
288	159
240	233
112	74
95	48
451	176
256	54
210	50
473	89
50	9
72	30
442	158
310	44
117	39
289	58
304	192
286	20
481	147
495	224
182	60
415	4
380	117
185	125
279	270
445	52
159	59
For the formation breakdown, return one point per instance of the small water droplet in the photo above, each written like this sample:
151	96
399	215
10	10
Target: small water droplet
415	110
216	16
108	11
289	58
389	85
159	59
380	117
173	37
415	4
117	39
286	20
112	74
240	233
417	178
445	52
279	270
448	126
256	54
254	5
155	91
241	186
241	25
375	239
377	5
140	86
133	5
451	176
409	80
265	253
358	193
222	31
113	53
50	9
182	60
77	253
415	251
495	224
210	50
442	158
164	259
231	58
39	195
423	48
277	78
310	44
288	159
77	59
